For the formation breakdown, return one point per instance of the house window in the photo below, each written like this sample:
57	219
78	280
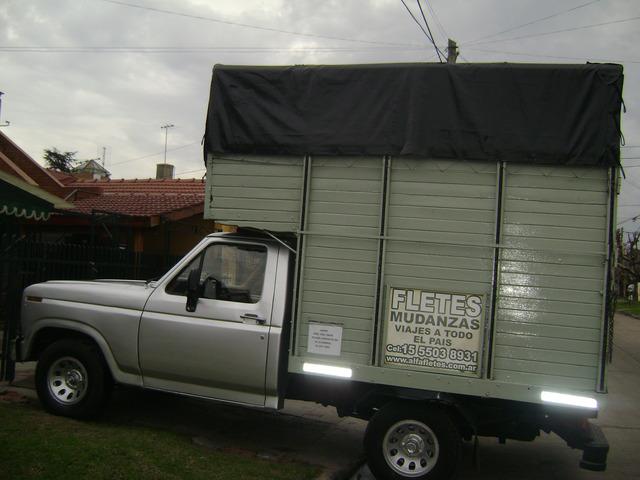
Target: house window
231	272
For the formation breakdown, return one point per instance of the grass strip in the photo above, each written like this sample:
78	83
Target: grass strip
36	445
624	306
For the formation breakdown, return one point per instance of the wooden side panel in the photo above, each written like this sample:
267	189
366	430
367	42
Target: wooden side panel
439	236
548	323
261	192
339	273
446	212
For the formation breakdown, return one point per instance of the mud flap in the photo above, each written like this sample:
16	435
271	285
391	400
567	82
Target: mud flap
595	450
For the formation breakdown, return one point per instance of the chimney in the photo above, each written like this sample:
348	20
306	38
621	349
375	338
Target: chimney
164	170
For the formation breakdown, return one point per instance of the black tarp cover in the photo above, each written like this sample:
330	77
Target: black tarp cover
528	113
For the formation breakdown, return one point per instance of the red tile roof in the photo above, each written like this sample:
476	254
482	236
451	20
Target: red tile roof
15	161
62	177
175	198
141	197
143	185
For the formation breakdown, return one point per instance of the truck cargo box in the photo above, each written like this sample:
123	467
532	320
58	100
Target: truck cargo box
454	222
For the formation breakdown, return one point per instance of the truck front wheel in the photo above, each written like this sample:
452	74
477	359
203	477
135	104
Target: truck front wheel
72	379
407	440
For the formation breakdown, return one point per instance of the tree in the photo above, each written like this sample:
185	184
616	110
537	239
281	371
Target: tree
628	269
60	161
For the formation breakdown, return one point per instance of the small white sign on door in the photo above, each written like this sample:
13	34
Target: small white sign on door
324	339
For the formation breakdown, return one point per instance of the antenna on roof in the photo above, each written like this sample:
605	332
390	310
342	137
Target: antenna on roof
164	171
166	128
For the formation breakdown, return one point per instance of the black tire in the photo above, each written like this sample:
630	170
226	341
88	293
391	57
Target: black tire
438	447
72	379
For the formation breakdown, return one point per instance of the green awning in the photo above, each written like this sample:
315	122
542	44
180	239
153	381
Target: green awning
22	200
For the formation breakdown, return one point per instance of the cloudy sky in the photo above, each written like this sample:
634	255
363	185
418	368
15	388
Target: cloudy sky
80	75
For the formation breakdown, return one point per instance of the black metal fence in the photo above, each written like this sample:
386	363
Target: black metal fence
25	261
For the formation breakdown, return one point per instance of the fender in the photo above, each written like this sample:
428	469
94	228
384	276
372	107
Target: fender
118	375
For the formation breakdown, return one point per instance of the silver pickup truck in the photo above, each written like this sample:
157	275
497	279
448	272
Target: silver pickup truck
216	326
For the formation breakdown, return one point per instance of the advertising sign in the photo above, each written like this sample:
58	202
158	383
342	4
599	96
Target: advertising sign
434	331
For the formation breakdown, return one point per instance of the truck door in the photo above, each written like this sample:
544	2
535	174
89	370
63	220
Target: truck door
220	349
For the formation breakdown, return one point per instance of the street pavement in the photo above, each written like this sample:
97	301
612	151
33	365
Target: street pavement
315	434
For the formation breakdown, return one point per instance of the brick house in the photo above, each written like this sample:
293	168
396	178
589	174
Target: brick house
159	216
153	216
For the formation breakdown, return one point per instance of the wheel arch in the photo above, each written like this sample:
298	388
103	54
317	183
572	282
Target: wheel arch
53	330
461	414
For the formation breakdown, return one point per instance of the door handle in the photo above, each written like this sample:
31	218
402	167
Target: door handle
254	317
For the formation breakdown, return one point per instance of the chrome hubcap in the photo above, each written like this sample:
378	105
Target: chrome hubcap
410	448
67	380
413	444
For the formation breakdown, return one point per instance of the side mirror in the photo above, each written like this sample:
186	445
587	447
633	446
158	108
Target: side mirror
193	290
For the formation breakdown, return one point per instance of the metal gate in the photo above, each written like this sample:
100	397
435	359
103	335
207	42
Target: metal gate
25	261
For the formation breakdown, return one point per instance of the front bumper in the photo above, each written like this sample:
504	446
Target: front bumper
15	349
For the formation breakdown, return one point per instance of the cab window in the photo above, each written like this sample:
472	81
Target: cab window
231	272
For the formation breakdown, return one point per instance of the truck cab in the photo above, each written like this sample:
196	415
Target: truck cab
229	339
227	347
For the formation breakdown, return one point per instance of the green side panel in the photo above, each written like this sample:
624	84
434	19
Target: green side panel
439	236
260	192
340	255
551	270
441	223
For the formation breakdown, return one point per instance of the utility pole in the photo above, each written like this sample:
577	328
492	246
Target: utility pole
452	51
104	154
5	124
166	128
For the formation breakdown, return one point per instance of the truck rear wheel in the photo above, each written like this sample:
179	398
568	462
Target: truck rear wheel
72	379
408	440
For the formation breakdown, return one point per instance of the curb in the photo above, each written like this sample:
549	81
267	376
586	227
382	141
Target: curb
629	314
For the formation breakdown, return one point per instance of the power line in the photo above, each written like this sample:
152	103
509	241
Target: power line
168	49
464	59
155	154
628	219
191	171
443	31
633	184
538	20
429	29
417	22
247	25
573	29
558	57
